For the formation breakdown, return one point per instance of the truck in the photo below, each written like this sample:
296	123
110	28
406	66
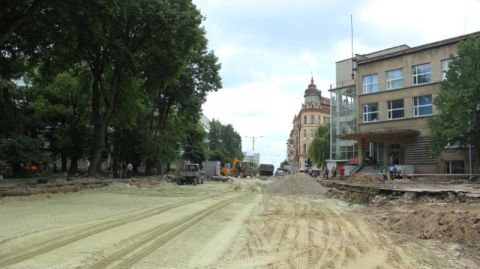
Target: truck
266	169
248	169
190	174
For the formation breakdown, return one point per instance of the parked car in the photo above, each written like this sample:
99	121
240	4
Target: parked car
190	174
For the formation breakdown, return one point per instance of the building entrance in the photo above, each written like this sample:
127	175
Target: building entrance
383	154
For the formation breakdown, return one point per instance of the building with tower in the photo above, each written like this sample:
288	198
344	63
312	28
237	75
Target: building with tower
314	112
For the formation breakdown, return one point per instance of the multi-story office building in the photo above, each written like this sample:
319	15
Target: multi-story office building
383	113
314	112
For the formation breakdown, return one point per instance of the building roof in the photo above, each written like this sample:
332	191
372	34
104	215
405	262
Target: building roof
312	89
372	57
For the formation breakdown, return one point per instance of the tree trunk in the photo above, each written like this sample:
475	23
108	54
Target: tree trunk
73	167
101	120
115	160
64	163
148	167
18	129
17	169
99	132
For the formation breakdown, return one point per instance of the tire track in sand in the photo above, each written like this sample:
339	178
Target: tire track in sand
61	239
148	241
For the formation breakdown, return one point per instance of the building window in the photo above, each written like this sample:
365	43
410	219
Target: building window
319	119
312	119
304	148
312	133
396	109
370	112
370	83
444	65
394	79
422	105
305	119
325	120
422	74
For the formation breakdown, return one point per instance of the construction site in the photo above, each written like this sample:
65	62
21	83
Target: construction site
291	221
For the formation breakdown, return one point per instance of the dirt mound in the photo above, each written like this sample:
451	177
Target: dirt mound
448	222
249	185
364	178
297	184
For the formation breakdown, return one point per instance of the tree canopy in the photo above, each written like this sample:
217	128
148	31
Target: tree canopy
459	101
117	80
319	150
224	143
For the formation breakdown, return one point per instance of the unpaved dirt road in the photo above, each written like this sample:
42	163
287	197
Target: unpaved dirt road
282	223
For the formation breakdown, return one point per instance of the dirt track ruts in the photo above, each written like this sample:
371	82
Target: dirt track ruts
55	241
286	222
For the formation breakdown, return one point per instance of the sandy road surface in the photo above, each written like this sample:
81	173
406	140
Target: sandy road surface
245	224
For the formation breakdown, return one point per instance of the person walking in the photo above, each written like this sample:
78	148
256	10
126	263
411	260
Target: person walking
129	170
334	172
87	166
342	171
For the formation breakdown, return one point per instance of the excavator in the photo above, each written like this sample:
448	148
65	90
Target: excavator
240	169
233	170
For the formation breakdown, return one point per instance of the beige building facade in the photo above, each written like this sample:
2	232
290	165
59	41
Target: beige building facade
393	93
315	111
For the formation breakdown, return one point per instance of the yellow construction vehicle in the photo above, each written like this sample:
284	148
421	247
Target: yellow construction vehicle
231	170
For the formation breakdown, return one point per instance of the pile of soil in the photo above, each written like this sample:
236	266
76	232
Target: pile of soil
249	185
298	184
448	222
363	178
425	217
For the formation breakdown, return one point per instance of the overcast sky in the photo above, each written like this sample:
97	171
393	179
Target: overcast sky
270	48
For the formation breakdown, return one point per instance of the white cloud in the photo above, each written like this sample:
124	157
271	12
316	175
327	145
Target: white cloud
269	48
423	21
261	108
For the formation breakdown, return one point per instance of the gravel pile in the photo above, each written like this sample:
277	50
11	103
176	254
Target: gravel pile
298	184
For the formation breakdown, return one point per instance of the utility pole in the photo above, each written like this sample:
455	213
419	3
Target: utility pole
253	141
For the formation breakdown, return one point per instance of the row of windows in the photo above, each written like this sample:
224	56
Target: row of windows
314	120
422	106
311	131
421	74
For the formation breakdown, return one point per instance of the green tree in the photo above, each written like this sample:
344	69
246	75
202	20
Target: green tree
459	101
224	142
29	30
149	72
217	150
156	41
195	147
20	152
283	164
319	149
62	108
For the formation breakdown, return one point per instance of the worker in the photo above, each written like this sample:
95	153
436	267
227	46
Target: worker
341	169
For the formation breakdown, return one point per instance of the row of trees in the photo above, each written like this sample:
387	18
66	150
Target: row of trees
91	78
